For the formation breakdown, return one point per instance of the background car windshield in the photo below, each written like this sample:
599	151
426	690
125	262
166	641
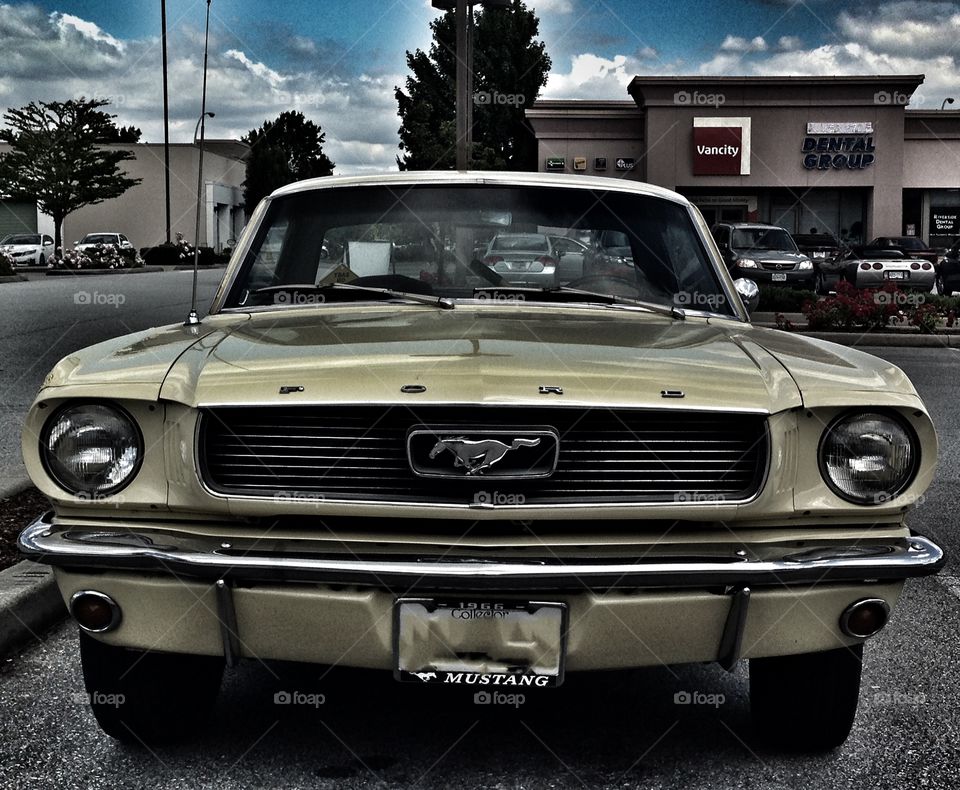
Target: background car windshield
99	238
21	240
909	243
762	239
438	240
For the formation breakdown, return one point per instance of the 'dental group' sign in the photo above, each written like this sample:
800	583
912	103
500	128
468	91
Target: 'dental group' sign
839	146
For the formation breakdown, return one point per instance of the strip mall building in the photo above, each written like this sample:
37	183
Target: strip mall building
837	154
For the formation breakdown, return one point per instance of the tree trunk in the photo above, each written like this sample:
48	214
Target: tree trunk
57	235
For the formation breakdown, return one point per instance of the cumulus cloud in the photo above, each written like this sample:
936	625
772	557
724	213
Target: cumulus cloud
789	43
59	56
739	44
552	6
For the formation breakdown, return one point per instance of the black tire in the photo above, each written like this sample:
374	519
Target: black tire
806	702
146	697
940	287
820	285
42	261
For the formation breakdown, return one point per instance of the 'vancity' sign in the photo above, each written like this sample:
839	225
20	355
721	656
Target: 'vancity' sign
721	146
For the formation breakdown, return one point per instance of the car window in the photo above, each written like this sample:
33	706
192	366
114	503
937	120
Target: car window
507	242
450	241
47	240
99	238
911	243
23	238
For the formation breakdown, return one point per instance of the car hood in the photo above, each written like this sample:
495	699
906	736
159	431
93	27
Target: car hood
773	256
485	355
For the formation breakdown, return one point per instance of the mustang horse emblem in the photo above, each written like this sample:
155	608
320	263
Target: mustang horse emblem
476	456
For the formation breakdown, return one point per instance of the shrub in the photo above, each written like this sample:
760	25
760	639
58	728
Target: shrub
102	256
874	308
180	253
6	265
774	299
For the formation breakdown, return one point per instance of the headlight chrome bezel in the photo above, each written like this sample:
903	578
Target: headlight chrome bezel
872	499
89	491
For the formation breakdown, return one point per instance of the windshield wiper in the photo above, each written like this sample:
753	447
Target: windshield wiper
592	296
360	290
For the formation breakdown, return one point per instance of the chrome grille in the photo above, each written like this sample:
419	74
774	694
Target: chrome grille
359	452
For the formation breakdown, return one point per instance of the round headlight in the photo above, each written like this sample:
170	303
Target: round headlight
868	458
91	448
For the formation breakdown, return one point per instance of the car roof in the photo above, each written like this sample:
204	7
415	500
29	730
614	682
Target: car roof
451	177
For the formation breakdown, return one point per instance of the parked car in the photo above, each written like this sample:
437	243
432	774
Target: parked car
871	267
825	250
571	254
91	240
611	253
911	245
523	259
763	253
483	486
28	249
948	275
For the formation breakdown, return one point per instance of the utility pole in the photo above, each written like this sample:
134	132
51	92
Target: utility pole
166	114
463	16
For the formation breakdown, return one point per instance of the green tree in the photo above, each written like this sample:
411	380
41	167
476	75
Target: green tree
510	67
55	157
283	151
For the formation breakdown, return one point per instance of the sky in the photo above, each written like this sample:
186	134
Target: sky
339	62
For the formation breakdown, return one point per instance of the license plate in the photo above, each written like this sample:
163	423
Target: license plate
779	277
485	643
819	254
897	275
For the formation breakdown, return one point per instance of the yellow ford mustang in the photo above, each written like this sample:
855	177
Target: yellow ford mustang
385	448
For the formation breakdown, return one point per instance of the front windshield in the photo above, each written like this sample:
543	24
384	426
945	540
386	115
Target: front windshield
762	239
462	241
908	243
21	240
99	238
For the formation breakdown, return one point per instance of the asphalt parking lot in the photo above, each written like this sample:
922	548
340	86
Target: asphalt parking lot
297	726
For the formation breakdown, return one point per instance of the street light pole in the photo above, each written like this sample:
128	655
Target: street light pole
193	317
945	102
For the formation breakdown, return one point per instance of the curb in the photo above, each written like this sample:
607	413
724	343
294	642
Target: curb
30	604
15	278
101	272
9	488
893	339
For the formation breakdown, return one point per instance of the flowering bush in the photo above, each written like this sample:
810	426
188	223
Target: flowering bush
101	256
872	308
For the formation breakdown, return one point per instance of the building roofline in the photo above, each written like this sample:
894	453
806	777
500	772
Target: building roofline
699	79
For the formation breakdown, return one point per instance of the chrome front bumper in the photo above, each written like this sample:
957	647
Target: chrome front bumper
673	566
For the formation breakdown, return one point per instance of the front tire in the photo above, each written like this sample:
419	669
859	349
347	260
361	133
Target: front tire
140	696
806	702
41	261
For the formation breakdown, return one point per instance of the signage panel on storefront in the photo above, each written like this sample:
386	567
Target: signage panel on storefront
945	221
839	146
717	151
